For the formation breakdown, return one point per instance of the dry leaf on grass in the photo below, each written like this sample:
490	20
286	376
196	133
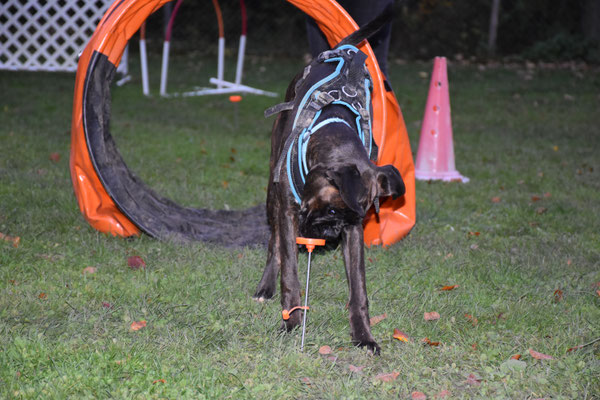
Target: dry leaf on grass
496	199
306	381
540	356
431	316
42	296
418	396
55	157
401	336
473	380
430	343
15	240
558	295
377	319
390	377
136	262
471	318
89	270
355	369
516	357
137	325
324	350
449	287
159	381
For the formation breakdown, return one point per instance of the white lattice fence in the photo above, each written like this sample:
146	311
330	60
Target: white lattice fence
47	35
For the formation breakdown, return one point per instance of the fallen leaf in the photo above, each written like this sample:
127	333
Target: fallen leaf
136	262
159	381
473	380
15	240
355	369
225	184
570	349
448	256
540	356
547	195
233	150
535	198
55	157
387	377
442	394
569	261
106	304
471	318
474	246
418	396
324	350
332	358
42	296
516	357
496	199
89	270
555	148
431	316
474	346
430	343
137	325
474	233
598	293
558	295
449	287
541	210
401	336
306	381
377	319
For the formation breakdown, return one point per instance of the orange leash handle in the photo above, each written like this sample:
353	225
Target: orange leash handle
286	314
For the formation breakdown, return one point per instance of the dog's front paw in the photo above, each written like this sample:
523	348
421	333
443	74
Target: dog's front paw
371	345
263	294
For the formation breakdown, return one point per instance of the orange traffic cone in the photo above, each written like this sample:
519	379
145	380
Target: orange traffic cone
435	157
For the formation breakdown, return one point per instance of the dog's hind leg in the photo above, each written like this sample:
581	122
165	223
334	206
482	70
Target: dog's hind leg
268	283
358	305
290	285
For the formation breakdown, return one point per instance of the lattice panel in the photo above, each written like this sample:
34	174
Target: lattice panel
46	35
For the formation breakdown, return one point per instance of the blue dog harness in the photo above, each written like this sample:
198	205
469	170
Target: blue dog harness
349	86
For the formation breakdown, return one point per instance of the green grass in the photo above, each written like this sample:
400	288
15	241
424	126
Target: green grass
515	138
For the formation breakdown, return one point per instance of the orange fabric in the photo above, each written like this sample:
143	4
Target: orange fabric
119	23
396	217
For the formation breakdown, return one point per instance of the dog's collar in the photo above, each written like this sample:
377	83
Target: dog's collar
349	86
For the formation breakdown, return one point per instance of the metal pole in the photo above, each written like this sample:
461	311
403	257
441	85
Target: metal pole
305	302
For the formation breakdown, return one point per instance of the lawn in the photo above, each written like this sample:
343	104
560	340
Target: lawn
521	240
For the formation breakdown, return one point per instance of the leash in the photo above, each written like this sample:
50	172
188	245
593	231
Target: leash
310	245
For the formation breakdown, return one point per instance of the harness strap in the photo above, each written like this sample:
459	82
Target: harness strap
276	109
349	85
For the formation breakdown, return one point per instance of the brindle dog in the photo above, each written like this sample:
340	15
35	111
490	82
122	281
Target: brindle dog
342	183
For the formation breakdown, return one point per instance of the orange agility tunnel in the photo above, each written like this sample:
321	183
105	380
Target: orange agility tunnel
113	200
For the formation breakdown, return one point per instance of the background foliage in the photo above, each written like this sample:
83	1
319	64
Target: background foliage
532	29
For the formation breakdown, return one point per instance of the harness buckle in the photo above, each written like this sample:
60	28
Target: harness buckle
321	99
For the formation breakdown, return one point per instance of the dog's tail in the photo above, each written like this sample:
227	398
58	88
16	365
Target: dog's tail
369	29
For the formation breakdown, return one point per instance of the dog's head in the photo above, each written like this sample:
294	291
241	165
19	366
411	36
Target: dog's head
335	198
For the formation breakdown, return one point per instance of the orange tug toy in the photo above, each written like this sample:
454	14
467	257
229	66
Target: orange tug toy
310	246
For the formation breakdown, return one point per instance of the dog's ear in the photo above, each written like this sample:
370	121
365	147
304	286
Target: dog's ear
352	190
389	182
